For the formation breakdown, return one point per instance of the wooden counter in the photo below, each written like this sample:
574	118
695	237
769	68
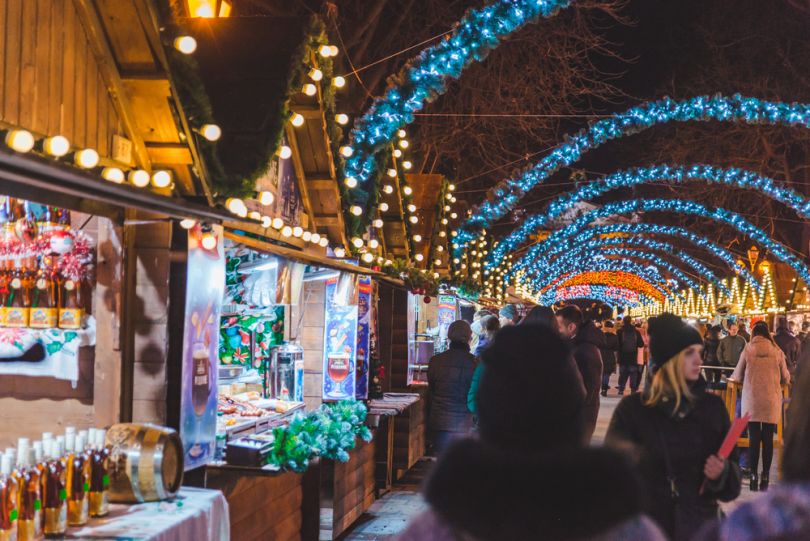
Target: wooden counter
409	438
347	489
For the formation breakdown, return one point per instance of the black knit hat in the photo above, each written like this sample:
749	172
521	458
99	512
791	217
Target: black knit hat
669	335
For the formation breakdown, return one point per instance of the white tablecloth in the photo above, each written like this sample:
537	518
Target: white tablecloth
195	515
61	351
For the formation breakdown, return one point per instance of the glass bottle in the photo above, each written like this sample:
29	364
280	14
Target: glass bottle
70	305
8	501
77	480
53	491
44	302
18	305
99	475
29	525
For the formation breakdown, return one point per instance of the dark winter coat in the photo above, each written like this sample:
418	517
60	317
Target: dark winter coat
790	346
625	357
477	492
710	346
690	436
729	350
585	348
610	353
449	377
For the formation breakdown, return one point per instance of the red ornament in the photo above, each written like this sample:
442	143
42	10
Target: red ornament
427	299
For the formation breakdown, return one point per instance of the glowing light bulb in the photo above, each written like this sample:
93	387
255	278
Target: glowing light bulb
255	215
403	144
324	242
139	178
437	262
383	207
388	263
449	197
451	187
401	134
267	221
342	119
388	188
315	74
392	173
417	238
453	199
57	146
209	241
440	248
378	223
161	178
339	81
411	208
357	242
419	257
340	253
286	231
266	198
325	51
346	151
333	50
284	152
113	174
187	223
407	190
454	215
368	257
20	140
86	158
211	132
373	244
307	236
350	182
442	234
309	89
447	208
297	120
406	164
316	238
185	44
278	223
413	219
356	210
397	153
234	204
298	231
444	221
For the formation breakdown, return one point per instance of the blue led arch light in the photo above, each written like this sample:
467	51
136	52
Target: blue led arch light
654	229
596	246
739	178
425	77
530	261
702	108
582	260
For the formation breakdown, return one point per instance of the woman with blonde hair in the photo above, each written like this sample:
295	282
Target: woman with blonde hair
674	430
762	370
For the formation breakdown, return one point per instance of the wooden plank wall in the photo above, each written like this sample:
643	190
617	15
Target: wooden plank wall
49	79
347	489
409	437
306	325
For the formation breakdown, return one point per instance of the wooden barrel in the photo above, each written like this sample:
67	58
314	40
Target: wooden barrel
146	462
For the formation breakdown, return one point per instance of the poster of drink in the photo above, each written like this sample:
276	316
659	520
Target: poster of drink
198	405
446	314
364	292
340	347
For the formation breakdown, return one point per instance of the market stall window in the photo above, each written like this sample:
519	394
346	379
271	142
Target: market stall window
428	320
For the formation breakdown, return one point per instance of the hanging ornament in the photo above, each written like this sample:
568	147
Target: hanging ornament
61	242
26	229
427	299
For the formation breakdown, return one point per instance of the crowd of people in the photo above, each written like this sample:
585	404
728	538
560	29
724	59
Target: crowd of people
514	405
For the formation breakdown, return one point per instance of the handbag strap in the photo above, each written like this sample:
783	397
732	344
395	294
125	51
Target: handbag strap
673	486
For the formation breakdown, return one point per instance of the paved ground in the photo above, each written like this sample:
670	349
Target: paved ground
390	514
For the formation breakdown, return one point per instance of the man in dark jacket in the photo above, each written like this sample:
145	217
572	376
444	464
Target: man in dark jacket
630	342
449	377
585	340
609	352
789	344
730	347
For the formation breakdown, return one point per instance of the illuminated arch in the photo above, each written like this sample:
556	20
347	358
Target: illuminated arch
596	247
612	295
613	278
530	261
739	178
425	77
702	108
652	229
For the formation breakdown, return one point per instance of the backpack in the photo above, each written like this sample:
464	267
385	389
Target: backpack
629	342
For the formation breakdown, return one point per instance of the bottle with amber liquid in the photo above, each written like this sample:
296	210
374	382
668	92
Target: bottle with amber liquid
44	302
29	525
18	305
99	474
70	305
77	480
8	500
54	495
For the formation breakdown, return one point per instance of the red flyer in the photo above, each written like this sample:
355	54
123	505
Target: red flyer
730	441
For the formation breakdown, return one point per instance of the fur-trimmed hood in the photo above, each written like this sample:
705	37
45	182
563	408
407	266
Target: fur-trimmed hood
488	493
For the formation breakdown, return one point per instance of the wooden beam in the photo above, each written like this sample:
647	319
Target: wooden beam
327	220
292	138
326	185
170	153
88	16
